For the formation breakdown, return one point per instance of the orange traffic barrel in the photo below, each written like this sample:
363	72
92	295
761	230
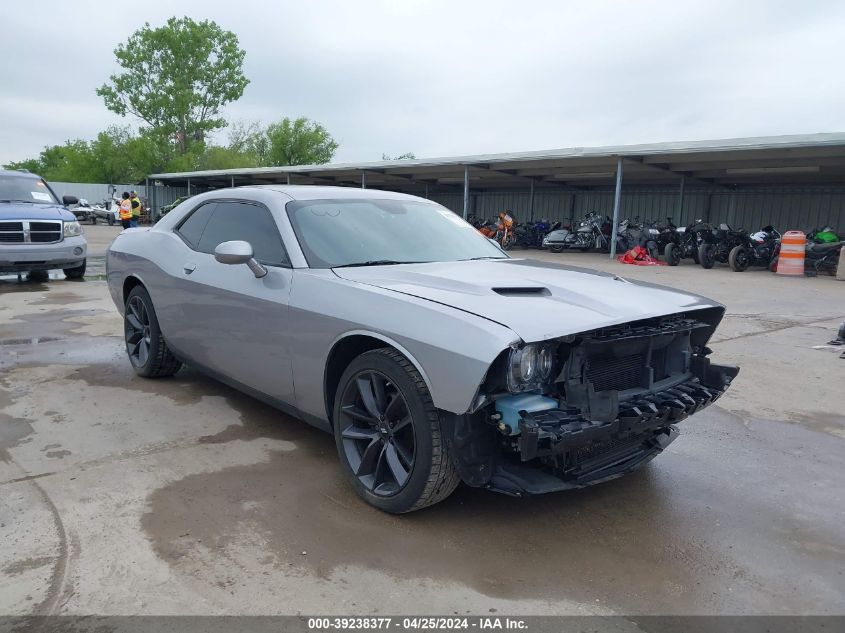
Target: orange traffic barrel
793	246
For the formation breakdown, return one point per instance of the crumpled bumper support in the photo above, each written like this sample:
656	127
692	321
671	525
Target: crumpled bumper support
556	431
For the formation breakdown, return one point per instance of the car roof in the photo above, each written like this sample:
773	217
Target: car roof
315	192
19	173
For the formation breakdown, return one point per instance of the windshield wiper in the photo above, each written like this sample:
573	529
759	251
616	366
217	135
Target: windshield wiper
376	262
27	201
473	259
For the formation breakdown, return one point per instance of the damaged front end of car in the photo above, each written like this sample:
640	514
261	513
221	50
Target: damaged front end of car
588	407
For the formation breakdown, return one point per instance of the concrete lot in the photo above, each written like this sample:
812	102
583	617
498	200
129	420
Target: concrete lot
120	495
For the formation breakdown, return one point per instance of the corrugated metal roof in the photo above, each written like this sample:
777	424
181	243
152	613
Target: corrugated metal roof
669	148
807	158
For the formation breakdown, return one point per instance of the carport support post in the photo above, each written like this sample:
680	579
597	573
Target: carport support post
616	199
466	191
681	200
531	200
363	180
426	191
233	182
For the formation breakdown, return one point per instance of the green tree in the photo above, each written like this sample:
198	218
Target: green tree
177	78
111	161
299	142
30	164
251	141
405	156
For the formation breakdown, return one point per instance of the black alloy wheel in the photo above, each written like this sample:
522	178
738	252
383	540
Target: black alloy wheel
388	434
148	353
377	431
137	331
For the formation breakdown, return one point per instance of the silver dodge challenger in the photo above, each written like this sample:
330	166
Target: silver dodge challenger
431	355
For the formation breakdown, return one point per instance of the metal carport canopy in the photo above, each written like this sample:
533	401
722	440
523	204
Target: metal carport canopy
718	164
798	159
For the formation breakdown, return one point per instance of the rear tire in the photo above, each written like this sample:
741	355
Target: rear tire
672	254
111	220
38	275
738	259
75	273
555	249
706	256
392	467
145	345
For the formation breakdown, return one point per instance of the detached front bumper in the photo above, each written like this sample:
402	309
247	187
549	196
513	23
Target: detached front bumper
69	253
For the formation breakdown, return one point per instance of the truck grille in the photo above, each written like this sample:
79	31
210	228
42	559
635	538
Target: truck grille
609	373
25	232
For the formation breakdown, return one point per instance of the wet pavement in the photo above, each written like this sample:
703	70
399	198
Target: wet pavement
120	495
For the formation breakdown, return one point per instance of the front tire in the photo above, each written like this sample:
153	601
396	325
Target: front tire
111	220
738	259
75	273
555	249
145	345
672	254
388	436
706	256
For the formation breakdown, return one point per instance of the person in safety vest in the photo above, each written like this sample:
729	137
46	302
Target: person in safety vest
135	201
126	211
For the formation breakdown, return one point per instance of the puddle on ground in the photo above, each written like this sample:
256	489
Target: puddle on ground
32	340
625	536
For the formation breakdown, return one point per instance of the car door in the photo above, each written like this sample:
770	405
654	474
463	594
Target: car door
235	323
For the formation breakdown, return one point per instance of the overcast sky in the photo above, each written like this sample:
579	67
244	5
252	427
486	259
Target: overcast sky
452	77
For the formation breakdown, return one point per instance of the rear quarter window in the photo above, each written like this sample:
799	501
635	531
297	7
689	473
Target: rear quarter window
193	226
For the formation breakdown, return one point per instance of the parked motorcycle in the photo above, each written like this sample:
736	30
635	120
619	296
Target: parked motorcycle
486	227
637	233
718	246
536	232
818	257
687	242
588	235
505	230
756	249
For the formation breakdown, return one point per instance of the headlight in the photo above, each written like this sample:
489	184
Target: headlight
72	229
531	366
546	362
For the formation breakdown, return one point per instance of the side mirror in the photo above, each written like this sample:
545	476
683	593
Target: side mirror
239	252
68	200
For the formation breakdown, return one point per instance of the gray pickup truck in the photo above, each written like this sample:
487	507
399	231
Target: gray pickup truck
37	232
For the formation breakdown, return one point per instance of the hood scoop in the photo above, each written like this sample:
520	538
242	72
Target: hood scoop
523	291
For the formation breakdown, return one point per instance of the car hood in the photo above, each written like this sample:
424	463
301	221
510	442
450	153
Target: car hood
537	300
18	211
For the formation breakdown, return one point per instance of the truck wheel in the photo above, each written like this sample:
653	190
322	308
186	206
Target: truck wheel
75	273
111	220
148	353
38	275
388	434
672	254
738	259
706	256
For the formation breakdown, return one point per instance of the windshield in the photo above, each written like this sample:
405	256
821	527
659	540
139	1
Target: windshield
358	232
25	189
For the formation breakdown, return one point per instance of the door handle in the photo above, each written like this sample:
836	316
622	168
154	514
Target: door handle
189	268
